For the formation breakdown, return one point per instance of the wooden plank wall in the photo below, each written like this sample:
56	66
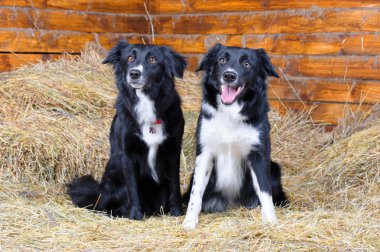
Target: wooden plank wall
327	52
32	30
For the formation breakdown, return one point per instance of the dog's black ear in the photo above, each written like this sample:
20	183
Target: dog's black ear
175	63
265	61
115	53
209	58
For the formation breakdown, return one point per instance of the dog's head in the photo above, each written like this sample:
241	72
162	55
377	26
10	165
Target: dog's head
140	66
234	70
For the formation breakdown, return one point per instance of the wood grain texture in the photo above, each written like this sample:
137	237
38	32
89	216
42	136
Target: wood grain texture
109	40
327	113
320	44
187	44
315	90
113	6
304	44
72	21
24	3
11	61
43	42
303	21
344	67
199	6
193	44
30	40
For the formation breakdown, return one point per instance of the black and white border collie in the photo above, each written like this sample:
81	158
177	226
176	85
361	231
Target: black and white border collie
233	165
142	174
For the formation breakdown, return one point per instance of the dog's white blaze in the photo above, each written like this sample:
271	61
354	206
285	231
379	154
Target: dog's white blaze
230	140
141	69
202	172
146	115
267	207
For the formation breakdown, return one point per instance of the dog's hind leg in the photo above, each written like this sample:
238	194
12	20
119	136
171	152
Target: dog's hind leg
248	197
202	173
278	194
214	203
259	169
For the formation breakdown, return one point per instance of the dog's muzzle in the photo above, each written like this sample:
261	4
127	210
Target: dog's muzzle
229	88
135	78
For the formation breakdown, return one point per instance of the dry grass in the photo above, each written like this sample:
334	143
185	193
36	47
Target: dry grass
54	121
54	117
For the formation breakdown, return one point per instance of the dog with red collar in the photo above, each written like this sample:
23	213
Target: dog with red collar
142	174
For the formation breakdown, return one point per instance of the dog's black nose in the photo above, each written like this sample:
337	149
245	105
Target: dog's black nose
134	74
229	76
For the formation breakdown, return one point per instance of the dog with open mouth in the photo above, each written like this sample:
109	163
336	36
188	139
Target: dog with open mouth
233	164
142	174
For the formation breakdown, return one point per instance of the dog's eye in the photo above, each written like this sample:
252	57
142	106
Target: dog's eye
152	60
222	61
246	64
131	58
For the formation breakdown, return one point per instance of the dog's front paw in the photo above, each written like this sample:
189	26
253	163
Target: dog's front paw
270	219
135	214
176	212
189	224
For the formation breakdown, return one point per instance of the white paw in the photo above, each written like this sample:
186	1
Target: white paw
270	219
189	224
268	214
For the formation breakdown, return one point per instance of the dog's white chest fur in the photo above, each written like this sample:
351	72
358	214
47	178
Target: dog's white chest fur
152	134
229	140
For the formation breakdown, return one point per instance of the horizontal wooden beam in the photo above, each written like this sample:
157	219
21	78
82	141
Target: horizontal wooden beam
11	61
316	90
31	40
196	6
72	21
43	42
292	22
305	44
343	67
112	6
317	44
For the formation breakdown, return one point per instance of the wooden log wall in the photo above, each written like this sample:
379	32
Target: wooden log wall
327	52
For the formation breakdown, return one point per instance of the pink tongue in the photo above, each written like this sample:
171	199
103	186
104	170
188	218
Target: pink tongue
228	94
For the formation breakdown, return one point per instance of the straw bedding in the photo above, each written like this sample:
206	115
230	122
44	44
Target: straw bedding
54	122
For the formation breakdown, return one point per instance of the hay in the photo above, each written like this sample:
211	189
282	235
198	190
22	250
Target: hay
55	116
55	119
350	170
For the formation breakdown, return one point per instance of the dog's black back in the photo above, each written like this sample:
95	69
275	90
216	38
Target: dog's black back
233	135
142	174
